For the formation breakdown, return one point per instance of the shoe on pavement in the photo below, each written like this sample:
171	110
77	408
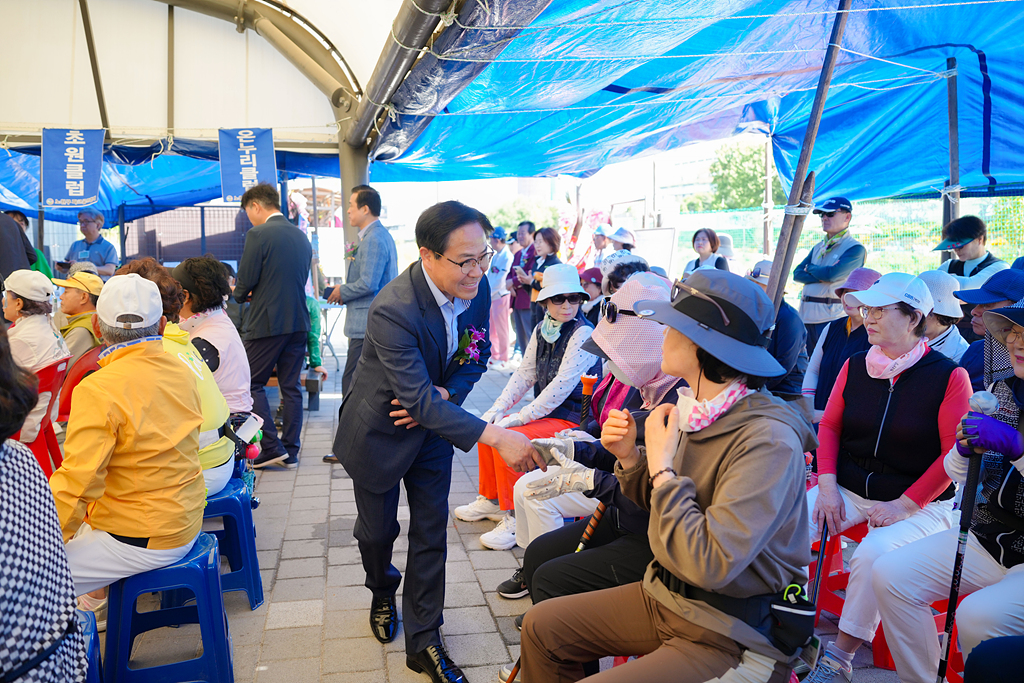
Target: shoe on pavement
515	587
384	618
436	663
291	462
331	459
519	621
266	458
481	508
502	537
506	671
827	670
97	607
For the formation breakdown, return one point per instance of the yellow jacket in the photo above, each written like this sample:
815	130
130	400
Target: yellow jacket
130	458
214	449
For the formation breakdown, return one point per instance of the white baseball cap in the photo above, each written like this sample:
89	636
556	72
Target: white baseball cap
942	285
29	284
130	294
892	288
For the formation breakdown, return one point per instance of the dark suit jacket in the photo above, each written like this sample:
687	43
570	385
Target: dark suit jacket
17	252
403	357
274	268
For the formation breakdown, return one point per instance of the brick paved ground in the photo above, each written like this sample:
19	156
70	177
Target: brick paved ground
313	625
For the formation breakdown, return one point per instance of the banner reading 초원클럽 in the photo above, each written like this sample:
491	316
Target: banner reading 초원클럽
71	165
246	159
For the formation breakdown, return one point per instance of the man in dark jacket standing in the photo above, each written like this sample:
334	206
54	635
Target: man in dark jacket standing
273	270
788	344
17	252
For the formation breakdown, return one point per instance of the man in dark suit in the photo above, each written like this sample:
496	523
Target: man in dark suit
274	268
17	252
402	417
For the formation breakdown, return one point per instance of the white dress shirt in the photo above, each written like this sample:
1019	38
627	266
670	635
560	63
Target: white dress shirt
450	310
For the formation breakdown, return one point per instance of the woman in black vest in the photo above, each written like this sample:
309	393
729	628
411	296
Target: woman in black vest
909	580
837	342
552	366
546	244
890	419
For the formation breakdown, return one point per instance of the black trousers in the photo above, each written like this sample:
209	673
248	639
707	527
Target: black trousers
813	332
427	483
355	349
553	568
287	353
522	317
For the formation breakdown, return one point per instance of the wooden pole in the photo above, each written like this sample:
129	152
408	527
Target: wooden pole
792	224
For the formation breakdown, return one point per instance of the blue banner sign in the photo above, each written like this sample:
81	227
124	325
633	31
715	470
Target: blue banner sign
71	166
246	159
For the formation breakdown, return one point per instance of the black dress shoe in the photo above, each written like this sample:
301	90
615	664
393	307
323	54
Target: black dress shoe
384	619
436	663
331	459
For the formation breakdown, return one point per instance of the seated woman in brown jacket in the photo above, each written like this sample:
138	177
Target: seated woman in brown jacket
723	477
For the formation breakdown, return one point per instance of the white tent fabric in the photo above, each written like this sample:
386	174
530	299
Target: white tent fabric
222	79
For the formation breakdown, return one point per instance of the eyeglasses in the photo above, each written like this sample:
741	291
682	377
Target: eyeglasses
875	312
469	264
559	299
678	287
1014	335
611	311
828	214
84	223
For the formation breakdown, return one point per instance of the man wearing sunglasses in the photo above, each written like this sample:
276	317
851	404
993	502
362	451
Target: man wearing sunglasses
826	267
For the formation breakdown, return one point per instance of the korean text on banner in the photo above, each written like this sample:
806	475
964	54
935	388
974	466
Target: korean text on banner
72	163
246	159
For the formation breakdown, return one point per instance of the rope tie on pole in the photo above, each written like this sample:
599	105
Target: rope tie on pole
951	193
447	17
801	209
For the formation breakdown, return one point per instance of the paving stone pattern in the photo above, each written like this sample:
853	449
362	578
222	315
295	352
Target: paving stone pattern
313	625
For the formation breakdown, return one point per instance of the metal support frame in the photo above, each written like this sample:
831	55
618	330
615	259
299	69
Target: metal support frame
170	67
802	192
767	203
202	229
953	198
124	233
94	62
415	23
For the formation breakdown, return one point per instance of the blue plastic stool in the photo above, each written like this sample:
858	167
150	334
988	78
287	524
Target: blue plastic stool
237	540
87	623
199	571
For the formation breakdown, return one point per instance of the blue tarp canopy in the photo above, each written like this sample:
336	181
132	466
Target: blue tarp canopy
543	87
146	180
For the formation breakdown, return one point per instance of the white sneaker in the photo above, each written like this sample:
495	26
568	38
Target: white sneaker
502	537
481	508
827	669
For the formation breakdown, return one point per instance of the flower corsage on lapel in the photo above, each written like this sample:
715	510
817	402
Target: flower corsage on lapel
350	250
469	345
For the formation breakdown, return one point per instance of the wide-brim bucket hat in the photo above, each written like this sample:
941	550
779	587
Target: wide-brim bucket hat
561	278
725	314
999	321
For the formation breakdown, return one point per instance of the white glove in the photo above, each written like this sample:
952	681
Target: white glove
492	416
576	435
569	478
511	421
556	452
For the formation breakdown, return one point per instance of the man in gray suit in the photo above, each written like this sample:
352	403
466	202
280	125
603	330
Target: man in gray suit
426	345
375	264
274	268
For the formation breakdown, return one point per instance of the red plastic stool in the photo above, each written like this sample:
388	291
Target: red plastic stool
45	446
834	577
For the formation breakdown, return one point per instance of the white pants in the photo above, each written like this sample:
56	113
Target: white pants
908	580
860	611
97	559
218	477
537	517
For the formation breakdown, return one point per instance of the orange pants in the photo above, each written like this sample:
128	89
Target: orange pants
497	478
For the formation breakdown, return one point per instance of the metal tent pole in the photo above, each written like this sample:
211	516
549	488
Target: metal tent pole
767	204
803	190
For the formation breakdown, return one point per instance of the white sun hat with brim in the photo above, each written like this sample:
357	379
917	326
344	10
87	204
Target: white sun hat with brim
892	288
561	278
133	295
29	284
942	285
726	315
623	235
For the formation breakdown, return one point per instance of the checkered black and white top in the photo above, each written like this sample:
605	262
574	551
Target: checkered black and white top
37	594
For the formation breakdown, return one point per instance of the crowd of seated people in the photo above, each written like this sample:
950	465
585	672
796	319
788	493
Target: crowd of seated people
704	408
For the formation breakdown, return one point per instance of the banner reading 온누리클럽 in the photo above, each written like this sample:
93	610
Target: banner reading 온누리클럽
71	165
246	159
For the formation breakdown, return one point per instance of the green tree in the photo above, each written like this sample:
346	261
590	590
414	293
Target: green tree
511	214
737	175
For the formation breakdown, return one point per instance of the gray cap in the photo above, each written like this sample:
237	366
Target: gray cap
726	315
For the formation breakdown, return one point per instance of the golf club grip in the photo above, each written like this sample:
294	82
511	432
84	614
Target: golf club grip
588	382
595	519
966	512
